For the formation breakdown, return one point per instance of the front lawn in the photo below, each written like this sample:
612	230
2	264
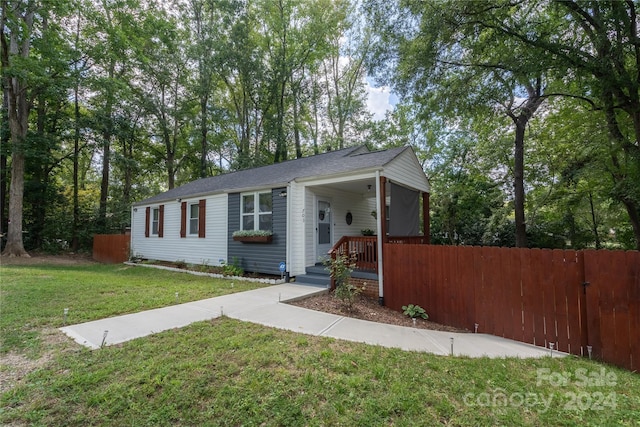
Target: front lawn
34	297
227	372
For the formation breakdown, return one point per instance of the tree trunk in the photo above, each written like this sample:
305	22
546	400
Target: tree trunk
4	175
296	124
531	105
106	152
104	183
16	89
634	217
518	185
75	241
204	144
39	179
594	223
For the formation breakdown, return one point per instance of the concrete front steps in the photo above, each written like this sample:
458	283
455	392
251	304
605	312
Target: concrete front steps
316	275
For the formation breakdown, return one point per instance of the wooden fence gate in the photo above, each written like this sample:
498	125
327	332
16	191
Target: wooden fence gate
111	248
579	301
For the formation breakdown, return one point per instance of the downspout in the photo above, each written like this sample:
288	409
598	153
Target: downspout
288	235
379	219
131	234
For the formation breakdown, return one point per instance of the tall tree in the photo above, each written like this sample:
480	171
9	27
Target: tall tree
16	32
296	37
455	67
163	92
344	73
594	42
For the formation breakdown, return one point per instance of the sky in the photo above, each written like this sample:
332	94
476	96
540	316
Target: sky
379	100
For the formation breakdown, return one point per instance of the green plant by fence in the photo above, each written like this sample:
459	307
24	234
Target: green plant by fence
579	301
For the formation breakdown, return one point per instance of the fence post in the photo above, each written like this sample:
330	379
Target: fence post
584	323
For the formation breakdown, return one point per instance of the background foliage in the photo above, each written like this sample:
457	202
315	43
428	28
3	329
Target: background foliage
128	98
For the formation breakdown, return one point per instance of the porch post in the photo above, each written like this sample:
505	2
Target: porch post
382	208
382	232
426	222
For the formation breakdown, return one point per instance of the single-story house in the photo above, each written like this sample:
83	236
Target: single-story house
310	205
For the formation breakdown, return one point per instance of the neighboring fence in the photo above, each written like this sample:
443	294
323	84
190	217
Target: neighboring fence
111	248
574	299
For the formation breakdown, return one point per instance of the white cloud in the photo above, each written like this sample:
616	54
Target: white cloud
379	100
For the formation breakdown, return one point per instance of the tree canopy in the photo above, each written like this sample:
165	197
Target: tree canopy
524	113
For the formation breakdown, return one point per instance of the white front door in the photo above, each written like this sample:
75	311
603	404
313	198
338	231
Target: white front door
324	232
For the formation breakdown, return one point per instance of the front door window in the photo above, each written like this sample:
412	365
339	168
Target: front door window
324	227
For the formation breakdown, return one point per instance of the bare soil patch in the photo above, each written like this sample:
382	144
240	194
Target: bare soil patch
40	259
14	367
368	309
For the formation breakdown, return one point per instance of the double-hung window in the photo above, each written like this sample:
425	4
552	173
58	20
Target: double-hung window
155	221
256	211
194	218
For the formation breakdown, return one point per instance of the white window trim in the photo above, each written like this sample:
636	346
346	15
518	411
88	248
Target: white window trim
155	230
190	218
256	209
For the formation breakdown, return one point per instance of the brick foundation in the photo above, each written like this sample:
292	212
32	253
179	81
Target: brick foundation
371	288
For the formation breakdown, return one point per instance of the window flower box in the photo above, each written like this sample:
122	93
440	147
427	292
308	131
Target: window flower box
250	236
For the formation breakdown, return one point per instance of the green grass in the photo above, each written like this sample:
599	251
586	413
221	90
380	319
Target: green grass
226	372
33	298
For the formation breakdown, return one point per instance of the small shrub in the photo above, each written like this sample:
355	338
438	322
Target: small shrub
347	294
414	311
233	269
204	267
340	269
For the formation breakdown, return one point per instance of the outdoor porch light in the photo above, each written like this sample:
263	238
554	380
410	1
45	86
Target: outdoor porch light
283	194
368	187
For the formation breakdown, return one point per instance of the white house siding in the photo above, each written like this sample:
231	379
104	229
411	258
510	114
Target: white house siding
309	227
297	234
191	249
406	170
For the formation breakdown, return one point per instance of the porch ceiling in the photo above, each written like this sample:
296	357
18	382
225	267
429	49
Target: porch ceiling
360	186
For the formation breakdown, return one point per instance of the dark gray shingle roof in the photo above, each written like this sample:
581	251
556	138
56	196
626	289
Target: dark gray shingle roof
331	163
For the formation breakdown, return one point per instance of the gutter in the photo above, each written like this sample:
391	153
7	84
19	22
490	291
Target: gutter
339	175
211	193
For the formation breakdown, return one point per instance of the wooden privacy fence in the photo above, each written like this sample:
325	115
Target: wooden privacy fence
577	300
111	248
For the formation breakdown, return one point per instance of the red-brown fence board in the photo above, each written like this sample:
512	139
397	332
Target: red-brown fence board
466	290
560	301
573	290
592	265
513	326
528	297
531	295
111	248
537	295
633	260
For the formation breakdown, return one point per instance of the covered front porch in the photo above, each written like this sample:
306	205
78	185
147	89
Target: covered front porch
356	217
398	222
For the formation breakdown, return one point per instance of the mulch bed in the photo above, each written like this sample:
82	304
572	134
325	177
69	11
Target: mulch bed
368	309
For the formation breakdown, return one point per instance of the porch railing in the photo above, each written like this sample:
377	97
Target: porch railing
364	249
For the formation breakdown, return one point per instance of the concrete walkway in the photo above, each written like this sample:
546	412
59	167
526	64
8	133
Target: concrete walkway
266	306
